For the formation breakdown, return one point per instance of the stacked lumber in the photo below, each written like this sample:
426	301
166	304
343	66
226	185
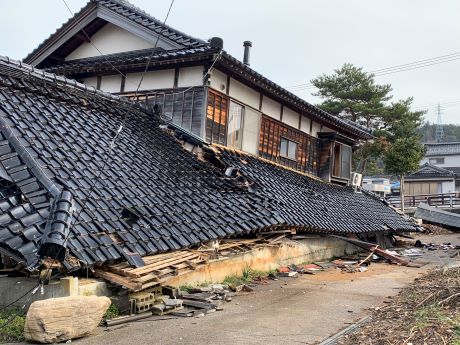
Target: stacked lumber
231	247
156	270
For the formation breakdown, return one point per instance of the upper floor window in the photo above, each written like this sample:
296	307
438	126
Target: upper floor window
439	160
288	146
341	161
288	149
235	125
216	118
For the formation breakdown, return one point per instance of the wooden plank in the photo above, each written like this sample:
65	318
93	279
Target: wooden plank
163	264
115	278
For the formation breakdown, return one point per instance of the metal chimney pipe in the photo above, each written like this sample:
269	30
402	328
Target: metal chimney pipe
247	52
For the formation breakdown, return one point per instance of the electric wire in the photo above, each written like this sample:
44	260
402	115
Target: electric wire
395	69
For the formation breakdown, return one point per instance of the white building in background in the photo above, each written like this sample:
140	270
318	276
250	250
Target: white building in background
443	155
439	172
377	185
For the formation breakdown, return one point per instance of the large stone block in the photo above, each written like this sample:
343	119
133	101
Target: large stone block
60	319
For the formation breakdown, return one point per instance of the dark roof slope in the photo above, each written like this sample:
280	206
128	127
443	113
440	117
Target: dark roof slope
442	149
130	13
311	204
150	195
138	59
428	170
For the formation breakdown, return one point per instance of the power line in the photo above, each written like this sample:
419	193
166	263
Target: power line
395	69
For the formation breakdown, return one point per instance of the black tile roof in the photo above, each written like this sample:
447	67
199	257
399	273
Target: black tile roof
310	203
152	195
435	215
442	149
130	13
138	59
428	170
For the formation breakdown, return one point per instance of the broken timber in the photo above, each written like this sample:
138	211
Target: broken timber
156	270
371	247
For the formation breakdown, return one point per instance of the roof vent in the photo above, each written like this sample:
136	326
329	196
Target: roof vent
216	42
247	52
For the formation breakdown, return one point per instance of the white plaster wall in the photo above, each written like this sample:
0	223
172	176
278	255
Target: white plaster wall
111	83
290	117
305	124
449	161
244	94
162	79
271	108
448	186
315	129
218	80
109	39
91	81
251	127
190	76
326	129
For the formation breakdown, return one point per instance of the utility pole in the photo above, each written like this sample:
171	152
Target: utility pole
439	127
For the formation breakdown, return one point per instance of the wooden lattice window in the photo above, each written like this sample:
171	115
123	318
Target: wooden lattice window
216	118
288	146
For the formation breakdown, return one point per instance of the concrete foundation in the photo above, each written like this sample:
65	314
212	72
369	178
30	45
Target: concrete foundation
309	249
13	288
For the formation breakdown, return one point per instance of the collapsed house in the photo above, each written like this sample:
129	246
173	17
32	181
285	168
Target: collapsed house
150	195
207	150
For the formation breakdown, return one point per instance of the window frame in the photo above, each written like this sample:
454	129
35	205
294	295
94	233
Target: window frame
438	160
239	142
287	148
340	160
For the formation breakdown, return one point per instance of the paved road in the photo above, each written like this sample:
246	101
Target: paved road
291	311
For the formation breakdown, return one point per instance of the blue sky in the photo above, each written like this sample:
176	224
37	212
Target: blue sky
297	40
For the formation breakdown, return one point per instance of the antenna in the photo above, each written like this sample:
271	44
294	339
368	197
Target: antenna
439	127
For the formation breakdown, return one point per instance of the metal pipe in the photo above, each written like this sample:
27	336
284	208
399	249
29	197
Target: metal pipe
247	52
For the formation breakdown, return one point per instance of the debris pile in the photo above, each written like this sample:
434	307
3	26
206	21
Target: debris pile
427	312
436	229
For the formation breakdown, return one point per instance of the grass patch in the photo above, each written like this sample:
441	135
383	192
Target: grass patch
247	276
112	312
14	331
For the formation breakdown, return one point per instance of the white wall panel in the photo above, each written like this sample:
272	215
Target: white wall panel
271	108
251	127
316	127
244	94
305	124
290	117
190	76
91	81
218	80
109	39
111	83
163	79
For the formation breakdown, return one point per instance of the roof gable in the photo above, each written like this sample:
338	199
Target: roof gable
92	18
429	170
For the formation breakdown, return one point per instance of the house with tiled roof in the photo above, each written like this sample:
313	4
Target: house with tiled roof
198	87
439	172
94	172
70	193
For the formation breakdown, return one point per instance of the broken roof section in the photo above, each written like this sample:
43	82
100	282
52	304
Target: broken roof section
150	194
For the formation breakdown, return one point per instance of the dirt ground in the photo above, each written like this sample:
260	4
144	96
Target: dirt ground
303	310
